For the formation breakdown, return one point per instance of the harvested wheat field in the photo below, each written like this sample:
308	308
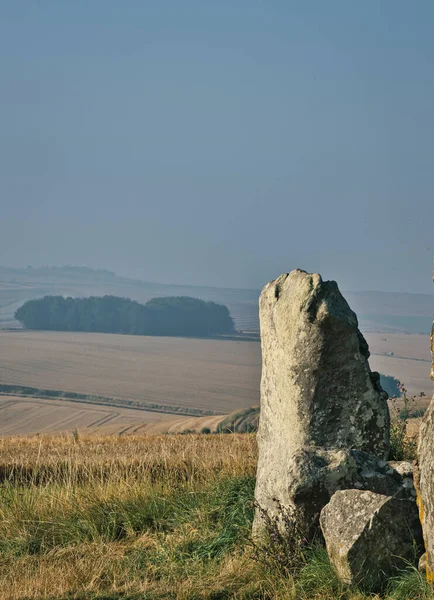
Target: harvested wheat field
404	356
215	375
174	374
29	416
212	375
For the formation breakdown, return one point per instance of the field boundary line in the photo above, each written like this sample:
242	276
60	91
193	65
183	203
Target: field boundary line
386	355
29	392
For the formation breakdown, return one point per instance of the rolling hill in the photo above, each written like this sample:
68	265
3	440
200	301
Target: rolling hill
377	311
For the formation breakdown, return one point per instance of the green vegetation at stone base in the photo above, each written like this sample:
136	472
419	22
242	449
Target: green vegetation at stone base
168	316
186	542
153	536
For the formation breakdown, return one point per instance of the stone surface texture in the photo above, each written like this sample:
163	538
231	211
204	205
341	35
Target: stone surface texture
424	478
370	535
421	567
314	474
432	351
318	394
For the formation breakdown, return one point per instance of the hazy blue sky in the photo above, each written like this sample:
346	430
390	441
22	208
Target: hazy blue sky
220	142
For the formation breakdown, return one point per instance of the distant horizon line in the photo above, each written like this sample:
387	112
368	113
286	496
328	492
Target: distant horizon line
191	285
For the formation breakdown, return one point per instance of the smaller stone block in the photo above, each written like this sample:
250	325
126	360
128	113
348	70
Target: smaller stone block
368	535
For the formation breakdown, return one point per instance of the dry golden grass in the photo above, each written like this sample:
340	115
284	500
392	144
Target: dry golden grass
94	569
61	495
57	574
67	459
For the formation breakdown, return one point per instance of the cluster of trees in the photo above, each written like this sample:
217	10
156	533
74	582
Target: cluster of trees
171	316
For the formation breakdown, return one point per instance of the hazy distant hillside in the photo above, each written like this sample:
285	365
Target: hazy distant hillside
392	312
377	311
19	285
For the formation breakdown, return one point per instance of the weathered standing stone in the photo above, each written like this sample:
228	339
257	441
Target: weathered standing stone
314	474
393	478
432	350
424	478
369	535
317	390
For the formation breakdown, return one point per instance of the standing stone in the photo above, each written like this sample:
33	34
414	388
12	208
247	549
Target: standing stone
432	351
368	536
317	390
424	479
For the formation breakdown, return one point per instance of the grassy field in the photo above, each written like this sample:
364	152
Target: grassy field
152	517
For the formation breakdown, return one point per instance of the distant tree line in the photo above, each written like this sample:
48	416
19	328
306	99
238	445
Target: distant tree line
171	316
